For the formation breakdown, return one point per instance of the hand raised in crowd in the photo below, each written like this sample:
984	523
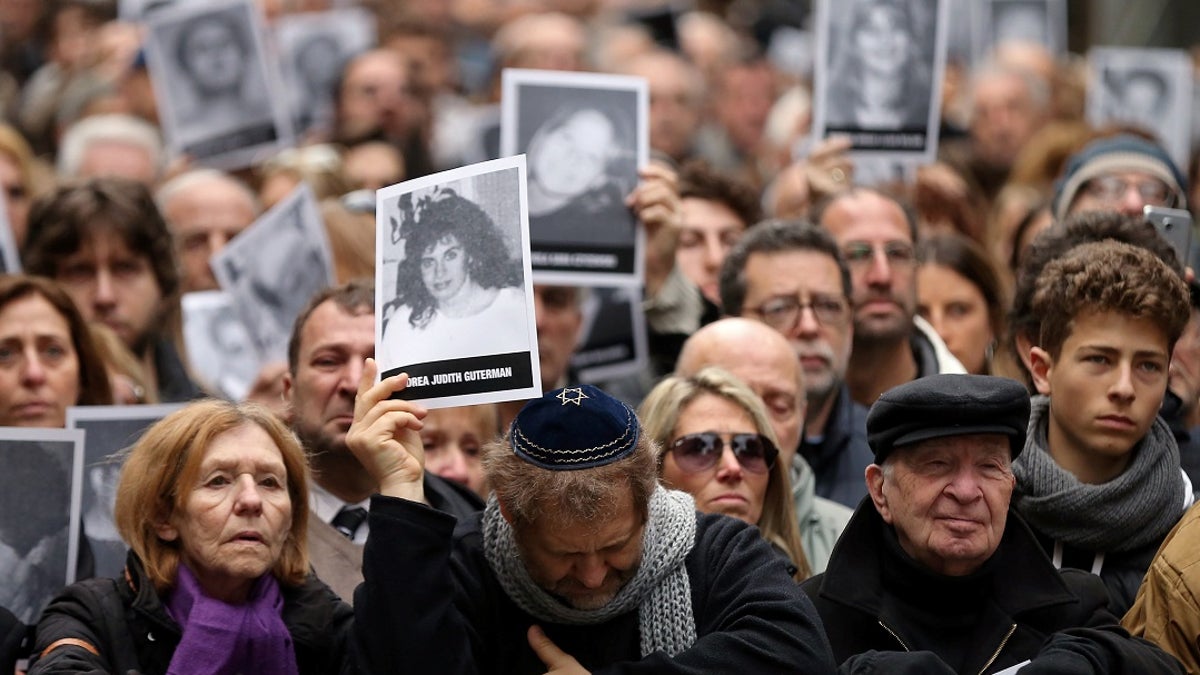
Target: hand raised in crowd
385	435
656	202
558	661
828	169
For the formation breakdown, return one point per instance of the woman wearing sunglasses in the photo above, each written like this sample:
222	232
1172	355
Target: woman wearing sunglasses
716	443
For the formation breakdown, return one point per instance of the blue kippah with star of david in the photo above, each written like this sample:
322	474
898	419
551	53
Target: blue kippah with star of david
574	428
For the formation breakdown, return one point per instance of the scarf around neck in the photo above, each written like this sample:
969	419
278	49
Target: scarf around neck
223	639
1128	512
659	590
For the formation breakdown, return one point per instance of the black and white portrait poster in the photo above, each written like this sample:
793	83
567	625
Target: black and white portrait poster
220	350
10	256
613	335
273	267
1148	88
454	290
313	48
39	516
108	431
216	85
879	73
1042	22
584	136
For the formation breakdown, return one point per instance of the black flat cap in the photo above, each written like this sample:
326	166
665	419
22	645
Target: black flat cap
938	406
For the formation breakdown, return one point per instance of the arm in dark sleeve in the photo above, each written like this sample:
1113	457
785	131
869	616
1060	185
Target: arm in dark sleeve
74	615
1099	644
895	663
751	616
405	617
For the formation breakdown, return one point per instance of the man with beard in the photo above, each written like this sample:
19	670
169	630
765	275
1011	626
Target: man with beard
790	276
580	562
332	337
892	345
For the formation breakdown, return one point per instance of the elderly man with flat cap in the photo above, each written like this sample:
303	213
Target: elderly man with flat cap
580	563
934	574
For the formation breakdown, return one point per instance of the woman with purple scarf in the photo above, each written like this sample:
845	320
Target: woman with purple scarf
213	502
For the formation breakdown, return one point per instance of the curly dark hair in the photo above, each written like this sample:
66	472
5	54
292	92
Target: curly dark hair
489	262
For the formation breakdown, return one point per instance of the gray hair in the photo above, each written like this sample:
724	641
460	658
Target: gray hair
774	236
116	128
194	177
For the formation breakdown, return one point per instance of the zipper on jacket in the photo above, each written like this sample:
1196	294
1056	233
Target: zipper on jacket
1012	629
893	634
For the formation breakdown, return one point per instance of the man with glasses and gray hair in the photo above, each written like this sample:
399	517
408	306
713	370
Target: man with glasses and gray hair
892	345
790	276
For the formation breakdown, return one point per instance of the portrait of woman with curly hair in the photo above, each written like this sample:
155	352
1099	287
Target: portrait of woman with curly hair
458	286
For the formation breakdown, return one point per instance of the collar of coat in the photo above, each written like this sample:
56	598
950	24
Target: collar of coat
854	576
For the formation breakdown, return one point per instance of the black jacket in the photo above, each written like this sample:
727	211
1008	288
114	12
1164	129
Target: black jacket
1026	610
431	604
841	456
126	621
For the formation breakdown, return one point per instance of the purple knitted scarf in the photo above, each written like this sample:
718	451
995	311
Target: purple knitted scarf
223	639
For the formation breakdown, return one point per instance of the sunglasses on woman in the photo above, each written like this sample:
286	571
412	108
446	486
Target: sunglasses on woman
695	453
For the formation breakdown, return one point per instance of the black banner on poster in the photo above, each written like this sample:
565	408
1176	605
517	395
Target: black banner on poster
587	259
457	377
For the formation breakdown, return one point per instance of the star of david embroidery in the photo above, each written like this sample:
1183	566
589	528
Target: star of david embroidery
572	395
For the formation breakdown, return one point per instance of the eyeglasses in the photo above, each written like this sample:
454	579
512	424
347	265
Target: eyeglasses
696	453
1113	188
783	312
859	254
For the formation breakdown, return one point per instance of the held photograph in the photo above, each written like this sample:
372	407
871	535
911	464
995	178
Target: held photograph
216	84
584	136
455	291
878	75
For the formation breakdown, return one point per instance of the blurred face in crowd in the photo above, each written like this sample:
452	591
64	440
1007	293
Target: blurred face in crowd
676	97
113	285
747	94
453	440
1111	375
203	218
16	197
558	322
800	294
1126	192
372	165
333	344
947	498
375	95
237	517
709	229
39	368
103	158
1004	117
957	310
583	564
727	486
875	239
1184	378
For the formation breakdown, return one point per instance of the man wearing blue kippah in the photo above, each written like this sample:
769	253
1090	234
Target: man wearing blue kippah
936	575
580	563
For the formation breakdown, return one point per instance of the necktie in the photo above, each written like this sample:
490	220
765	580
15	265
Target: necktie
348	519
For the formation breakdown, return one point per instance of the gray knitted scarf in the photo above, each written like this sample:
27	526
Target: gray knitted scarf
1128	512
659	589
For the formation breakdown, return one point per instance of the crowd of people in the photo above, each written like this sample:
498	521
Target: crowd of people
943	424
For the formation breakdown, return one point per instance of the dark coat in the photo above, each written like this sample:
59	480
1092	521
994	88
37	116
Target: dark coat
128	624
843	453
451	615
1031	612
